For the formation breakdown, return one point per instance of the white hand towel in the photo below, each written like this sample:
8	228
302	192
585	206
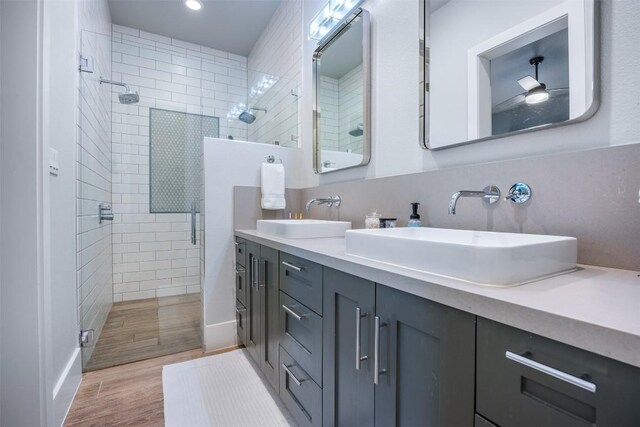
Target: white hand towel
273	186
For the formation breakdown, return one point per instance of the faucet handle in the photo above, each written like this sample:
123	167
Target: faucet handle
519	193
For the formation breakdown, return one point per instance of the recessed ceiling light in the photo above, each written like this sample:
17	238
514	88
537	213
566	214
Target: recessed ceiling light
193	4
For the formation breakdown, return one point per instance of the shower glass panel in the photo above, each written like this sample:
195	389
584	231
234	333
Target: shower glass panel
94	182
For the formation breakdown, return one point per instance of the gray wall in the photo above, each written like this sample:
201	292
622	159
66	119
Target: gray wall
591	195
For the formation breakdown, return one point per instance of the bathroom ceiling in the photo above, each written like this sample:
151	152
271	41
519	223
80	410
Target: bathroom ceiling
230	25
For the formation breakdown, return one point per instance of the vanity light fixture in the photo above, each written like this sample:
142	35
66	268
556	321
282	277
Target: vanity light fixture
330	15
193	4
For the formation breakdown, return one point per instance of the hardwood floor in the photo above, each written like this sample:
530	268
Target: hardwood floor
126	395
143	329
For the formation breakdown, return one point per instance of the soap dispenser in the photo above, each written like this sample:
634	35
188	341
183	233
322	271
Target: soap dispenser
414	219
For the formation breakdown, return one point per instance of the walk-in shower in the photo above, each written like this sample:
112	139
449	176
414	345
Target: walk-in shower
128	96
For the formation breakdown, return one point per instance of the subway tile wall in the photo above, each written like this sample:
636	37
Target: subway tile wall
351	110
341	111
278	52
152	253
152	256
93	172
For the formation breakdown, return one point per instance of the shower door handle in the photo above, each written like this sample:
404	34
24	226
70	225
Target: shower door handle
193	223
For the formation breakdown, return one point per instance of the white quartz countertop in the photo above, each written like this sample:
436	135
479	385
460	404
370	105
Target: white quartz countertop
594	308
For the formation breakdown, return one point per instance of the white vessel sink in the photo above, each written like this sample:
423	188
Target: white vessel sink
481	257
303	228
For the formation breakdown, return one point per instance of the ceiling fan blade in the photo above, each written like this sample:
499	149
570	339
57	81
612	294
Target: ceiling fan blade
528	83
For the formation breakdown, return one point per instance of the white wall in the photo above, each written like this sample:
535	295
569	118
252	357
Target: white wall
24	392
59	109
395	149
228	164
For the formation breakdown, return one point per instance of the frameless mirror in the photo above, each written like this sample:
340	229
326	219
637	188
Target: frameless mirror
341	96
492	68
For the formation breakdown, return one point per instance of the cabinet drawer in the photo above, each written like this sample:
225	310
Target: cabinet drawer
302	280
299	393
241	251
241	322
301	335
241	284
528	380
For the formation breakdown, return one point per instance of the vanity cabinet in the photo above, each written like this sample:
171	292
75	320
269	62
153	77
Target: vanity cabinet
263	309
423	352
528	380
343	350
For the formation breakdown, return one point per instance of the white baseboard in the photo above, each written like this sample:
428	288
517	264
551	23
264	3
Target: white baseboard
66	387
220	335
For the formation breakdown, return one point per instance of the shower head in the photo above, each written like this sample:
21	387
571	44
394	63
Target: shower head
128	97
249	118
358	130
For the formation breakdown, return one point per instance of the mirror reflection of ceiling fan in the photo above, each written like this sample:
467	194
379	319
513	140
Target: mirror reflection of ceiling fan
536	91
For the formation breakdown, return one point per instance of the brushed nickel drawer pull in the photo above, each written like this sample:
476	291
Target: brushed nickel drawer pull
292	375
240	270
293	313
359	317
291	266
376	350
578	382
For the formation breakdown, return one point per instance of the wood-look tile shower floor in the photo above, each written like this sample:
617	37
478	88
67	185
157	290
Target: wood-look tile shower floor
149	328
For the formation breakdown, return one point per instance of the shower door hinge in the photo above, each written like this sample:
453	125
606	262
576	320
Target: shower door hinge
86	337
86	64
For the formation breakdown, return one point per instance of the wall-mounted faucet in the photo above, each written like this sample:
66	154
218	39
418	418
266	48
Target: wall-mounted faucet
490	195
329	201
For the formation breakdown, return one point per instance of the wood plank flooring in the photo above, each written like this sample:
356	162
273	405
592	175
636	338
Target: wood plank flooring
149	328
126	395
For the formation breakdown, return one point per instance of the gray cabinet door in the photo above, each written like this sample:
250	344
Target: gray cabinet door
427	354
270	314
253	301
347	394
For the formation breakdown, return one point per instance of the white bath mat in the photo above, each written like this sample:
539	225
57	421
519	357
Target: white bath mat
220	391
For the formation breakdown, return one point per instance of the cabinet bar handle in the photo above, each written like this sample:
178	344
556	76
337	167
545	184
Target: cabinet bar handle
262	274
293	313
254	272
376	350
240	270
578	382
292	375
291	266
359	317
